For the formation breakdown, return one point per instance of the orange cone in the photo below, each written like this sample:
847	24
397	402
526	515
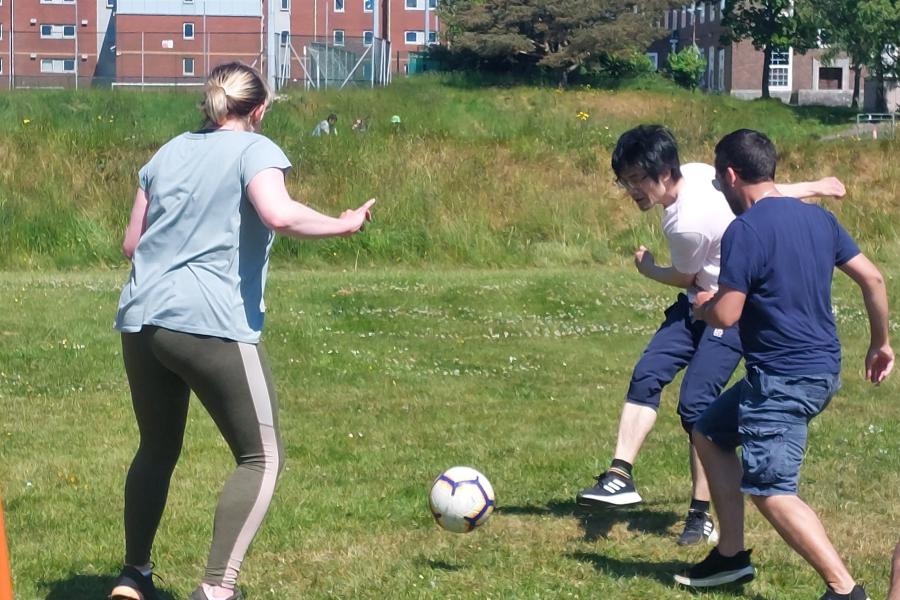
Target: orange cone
5	575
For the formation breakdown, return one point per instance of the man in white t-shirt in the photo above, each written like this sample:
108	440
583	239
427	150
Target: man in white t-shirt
695	216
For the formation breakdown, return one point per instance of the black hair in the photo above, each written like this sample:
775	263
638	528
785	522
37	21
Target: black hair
750	153
651	148
332	118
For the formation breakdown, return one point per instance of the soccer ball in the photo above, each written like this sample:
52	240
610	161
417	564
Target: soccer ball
461	499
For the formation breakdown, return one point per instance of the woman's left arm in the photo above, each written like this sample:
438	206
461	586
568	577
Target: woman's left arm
136	224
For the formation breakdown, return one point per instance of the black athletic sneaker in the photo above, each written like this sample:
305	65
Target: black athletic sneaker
199	594
132	585
857	593
716	569
612	489
698	527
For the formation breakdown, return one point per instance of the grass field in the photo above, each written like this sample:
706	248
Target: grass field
386	377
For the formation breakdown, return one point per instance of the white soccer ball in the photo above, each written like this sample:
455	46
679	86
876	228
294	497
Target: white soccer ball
461	499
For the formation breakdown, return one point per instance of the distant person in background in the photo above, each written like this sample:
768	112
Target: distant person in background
359	126
395	123
894	594
326	127
191	315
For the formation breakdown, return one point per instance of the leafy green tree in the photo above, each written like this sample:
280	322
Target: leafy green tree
868	31
687	67
560	35
770	25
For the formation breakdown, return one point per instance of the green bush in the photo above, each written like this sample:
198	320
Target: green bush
686	67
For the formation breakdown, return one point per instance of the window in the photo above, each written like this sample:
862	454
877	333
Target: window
338	37
1	31
831	78
57	65
111	4
57	32
710	67
420	4
780	69
432	37
412	37
187	66
187	31
1	65
285	4
368	5
338	5
701	9
285	38
367	38
57	1
654	60
683	17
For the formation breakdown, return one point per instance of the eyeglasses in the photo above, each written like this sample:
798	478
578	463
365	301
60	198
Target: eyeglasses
631	185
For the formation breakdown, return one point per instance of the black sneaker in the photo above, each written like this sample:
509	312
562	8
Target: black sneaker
131	584
612	489
716	569
199	594
857	593
698	528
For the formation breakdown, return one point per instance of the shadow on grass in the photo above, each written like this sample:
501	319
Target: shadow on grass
87	587
439	565
598	523
660	571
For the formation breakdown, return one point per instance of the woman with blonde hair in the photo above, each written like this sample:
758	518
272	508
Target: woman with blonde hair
204	217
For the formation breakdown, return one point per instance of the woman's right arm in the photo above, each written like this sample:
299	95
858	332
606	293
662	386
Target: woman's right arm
136	224
283	215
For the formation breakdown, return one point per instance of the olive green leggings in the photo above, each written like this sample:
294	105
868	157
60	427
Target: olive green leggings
233	382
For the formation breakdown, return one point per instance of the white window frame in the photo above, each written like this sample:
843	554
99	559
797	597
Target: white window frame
779	67
110	4
419	36
286	5
184	27
702	8
1	65
57	32
57	1
334	37
342	8
1	25
368	33
368	10
184	64
58	65
284	38
432	37
721	67
654	59
710	67
188	1
683	16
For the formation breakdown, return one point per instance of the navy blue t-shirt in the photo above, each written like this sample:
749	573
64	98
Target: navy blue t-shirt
782	254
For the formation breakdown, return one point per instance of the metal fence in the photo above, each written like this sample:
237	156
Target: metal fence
183	59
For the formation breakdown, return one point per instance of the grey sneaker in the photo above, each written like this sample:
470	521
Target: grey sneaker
698	528
199	594
611	489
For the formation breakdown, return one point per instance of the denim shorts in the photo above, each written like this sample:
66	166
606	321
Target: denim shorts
768	415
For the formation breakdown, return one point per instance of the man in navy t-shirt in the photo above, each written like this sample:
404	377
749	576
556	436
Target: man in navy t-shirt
778	259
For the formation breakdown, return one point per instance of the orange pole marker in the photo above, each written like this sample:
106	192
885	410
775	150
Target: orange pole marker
5	575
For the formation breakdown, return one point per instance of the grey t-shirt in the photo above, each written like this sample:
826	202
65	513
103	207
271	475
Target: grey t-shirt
200	266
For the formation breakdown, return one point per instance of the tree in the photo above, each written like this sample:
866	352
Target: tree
687	67
769	25
559	35
868	31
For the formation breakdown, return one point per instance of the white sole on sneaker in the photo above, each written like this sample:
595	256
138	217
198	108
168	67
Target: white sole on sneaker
745	573
626	499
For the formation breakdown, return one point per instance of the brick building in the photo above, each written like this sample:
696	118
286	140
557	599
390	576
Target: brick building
736	69
53	42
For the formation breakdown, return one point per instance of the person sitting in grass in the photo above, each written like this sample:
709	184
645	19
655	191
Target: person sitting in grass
778	260
694	217
327	126
191	315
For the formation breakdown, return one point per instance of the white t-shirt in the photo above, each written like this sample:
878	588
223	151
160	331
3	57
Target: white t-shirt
694	225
